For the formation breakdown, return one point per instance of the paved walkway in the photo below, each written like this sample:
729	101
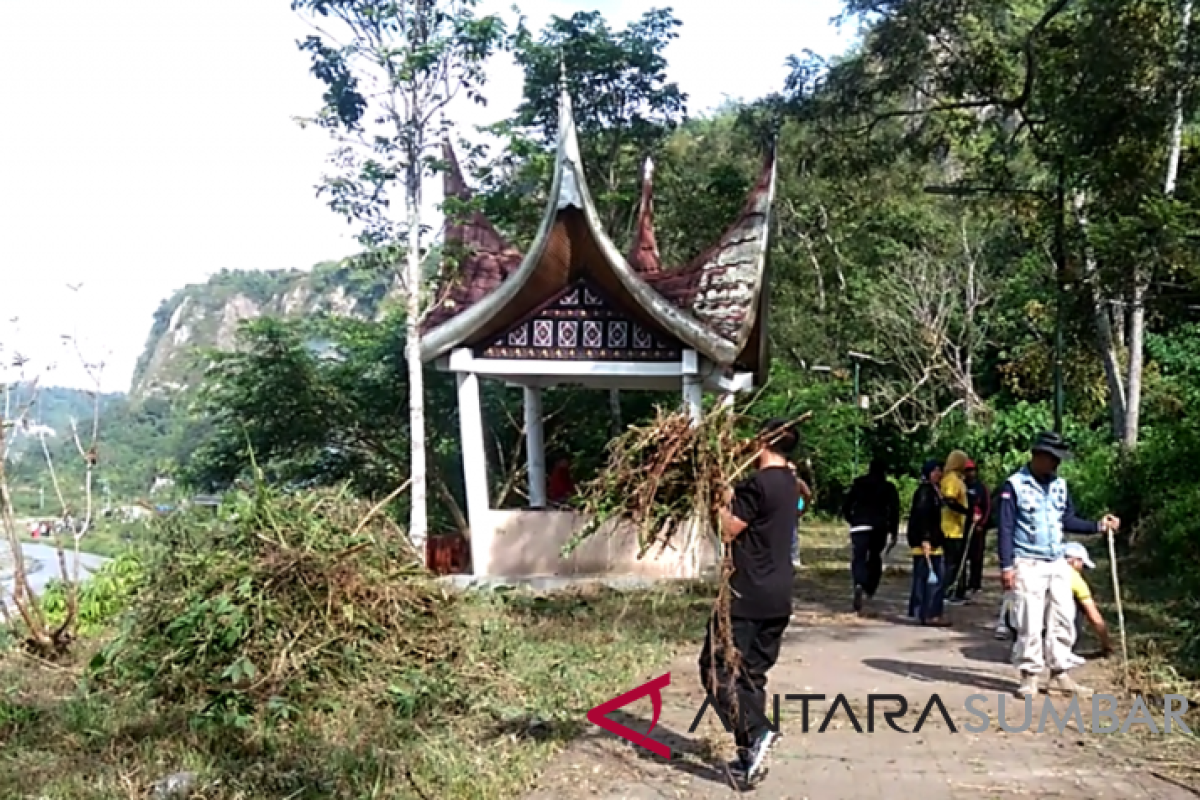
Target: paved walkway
828	651
41	566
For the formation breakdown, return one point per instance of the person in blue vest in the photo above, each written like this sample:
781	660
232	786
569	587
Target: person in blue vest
1035	510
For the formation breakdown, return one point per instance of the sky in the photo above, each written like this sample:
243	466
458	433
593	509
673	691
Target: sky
148	144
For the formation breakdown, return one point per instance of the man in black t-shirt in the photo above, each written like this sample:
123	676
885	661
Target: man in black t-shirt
757	526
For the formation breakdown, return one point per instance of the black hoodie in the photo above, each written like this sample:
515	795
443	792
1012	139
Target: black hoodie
873	502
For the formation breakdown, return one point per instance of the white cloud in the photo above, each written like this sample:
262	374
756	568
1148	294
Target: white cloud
152	145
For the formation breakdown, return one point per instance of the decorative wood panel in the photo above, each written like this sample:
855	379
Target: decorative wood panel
582	324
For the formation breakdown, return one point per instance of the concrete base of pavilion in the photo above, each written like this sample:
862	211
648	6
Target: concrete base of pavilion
528	543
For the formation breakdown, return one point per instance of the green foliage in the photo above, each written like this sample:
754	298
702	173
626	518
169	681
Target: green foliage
223	600
624	105
387	74
103	597
827	440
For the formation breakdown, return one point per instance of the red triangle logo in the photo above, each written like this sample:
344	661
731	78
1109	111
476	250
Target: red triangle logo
598	715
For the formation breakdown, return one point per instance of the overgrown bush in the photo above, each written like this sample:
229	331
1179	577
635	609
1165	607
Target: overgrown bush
279	599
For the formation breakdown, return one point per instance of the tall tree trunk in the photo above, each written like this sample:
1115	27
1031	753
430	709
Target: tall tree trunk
972	300
1141	273
1105	342
1133	381
817	271
615	425
418	526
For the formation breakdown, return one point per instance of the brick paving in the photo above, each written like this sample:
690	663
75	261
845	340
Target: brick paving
828	651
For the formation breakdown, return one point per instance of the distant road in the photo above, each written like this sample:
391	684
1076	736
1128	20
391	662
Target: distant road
41	566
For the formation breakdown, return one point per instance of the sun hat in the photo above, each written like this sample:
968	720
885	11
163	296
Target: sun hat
1053	444
1076	550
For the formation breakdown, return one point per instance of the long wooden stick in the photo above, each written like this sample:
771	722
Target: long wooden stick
1112	560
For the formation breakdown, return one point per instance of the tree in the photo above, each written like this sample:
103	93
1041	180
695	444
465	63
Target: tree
390	72
625	108
1086	95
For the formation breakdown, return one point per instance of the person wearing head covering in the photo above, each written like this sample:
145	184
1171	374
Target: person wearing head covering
756	524
1085	605
1035	510
955	511
872	509
926	541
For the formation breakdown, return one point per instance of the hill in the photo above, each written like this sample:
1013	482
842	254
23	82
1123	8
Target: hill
207	315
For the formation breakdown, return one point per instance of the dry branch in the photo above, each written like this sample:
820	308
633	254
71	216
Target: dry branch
668	476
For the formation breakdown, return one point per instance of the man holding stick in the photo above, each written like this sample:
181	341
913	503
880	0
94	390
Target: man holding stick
1035	509
757	525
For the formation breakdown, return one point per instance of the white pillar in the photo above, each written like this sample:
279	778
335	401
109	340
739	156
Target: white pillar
535	445
693	397
693	386
474	459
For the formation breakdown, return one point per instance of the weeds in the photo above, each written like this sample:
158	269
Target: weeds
274	652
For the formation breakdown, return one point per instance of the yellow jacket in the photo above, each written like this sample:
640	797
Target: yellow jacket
954	488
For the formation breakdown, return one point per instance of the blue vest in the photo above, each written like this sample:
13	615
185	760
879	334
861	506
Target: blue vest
1040	509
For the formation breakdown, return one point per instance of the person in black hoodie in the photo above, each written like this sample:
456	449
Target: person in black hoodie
872	509
926	542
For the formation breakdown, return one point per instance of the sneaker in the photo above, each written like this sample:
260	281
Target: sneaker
756	763
956	601
858	598
1028	687
1002	633
740	766
1063	683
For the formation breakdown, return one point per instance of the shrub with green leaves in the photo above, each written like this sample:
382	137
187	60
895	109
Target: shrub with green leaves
102	597
279	598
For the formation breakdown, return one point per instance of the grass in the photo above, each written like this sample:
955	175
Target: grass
561	654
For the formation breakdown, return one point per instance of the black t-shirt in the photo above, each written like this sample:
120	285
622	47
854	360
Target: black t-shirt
762	554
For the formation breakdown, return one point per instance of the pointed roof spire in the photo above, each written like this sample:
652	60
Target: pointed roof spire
643	253
715	305
483	257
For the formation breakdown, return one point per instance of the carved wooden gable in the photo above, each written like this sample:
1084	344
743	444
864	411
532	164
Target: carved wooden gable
581	324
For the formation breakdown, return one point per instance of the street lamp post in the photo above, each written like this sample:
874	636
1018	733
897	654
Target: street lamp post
1060	263
858	358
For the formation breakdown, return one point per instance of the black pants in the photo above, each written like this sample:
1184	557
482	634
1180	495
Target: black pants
955	587
978	547
866	561
757	642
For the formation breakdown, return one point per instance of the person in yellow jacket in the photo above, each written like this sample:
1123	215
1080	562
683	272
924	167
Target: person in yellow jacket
955	511
1085	604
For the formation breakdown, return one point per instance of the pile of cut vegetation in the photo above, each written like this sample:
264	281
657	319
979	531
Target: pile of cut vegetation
279	599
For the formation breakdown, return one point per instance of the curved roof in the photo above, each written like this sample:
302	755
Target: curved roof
714	304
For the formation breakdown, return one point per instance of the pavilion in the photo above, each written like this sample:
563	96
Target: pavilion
575	311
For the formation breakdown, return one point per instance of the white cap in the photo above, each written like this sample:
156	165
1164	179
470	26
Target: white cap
1076	550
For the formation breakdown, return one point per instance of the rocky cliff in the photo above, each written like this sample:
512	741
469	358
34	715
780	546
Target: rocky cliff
207	315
